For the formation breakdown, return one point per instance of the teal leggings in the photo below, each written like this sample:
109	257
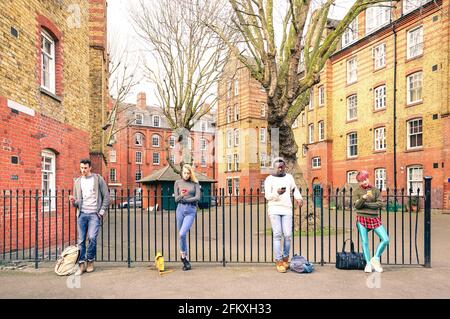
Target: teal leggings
381	233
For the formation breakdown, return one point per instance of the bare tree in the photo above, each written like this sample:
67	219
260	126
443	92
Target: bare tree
187	59
286	55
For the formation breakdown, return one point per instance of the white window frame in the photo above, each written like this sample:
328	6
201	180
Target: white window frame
236	161
203	126
229	163
379	94
138	119
414	85
236	186
229	138
352	143
228	114
138	175
416	132
157	138
411	5
352	70
311	133
139	139
316	162
352	107
321	95
379	56
172	141
203	144
262	160
229	186
229	88
380	178
112	156
236	87
351	177
236	137
158	157
190	143
158	118
414	176
48	169
138	157
236	112
113	175
172	158
295	124
48	71
262	135
263	110
377	16
350	34
321	126
413	48
380	138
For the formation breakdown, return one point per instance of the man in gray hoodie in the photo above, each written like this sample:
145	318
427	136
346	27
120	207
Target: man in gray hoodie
91	198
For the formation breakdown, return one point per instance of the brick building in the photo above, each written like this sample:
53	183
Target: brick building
53	94
144	143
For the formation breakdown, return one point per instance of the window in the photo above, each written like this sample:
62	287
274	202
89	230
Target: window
155	158
379	56
172	158
138	119
203	161
229	163
112	175
203	144
262	186
236	137
414	43
138	175
112	156
172	141
236	186
228	115
414	89
236	162
410	5
190	142
230	185
352	145
138	157
48	62
380	178
203	126
263	110
321	130
351	70
321	95
380	138
315	162
229	89
415	134
415	179
303	119
155	140
236	87
48	171
311	98
156	121
377	16
262	135
351	177
229	138
352	107
139	139
311	133
295	124
350	34
236	112
263	160
380	97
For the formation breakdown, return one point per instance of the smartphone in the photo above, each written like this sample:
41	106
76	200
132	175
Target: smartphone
283	188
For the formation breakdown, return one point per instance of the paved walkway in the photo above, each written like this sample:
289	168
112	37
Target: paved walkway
240	281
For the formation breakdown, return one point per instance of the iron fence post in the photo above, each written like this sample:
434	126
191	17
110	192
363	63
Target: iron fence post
427	220
36	243
128	229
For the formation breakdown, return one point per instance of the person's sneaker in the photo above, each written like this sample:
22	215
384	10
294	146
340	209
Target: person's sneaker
368	268
286	262
81	269
90	266
280	267
186	264
375	262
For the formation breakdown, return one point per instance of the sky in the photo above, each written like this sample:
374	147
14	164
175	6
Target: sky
120	29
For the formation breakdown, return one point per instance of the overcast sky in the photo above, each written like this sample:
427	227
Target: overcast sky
120	28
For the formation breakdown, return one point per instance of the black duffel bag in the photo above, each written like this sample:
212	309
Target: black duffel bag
350	260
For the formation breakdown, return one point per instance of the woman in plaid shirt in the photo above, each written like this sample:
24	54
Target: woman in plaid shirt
367	204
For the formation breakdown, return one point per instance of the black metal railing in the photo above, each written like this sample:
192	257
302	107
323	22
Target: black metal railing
229	228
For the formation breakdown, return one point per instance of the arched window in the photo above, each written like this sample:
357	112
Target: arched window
155	140
139	139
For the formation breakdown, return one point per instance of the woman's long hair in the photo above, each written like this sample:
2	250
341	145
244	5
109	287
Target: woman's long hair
193	178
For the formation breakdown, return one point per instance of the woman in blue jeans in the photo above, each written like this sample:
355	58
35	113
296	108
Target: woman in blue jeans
187	195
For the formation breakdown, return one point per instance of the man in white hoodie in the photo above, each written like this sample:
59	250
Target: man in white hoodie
278	188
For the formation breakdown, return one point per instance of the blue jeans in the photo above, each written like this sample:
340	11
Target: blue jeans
281	225
90	224
185	217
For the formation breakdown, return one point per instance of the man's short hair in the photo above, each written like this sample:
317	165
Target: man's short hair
279	161
85	161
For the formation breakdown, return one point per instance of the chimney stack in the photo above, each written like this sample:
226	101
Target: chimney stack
141	101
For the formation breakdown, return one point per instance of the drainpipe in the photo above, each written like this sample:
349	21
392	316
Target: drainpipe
395	105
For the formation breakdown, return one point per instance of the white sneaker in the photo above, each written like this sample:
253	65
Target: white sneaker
376	264
368	268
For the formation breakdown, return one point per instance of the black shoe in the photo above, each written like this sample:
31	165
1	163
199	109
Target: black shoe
186	264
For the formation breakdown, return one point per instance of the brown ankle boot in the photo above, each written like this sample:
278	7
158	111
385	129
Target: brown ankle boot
286	262
90	266
280	267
